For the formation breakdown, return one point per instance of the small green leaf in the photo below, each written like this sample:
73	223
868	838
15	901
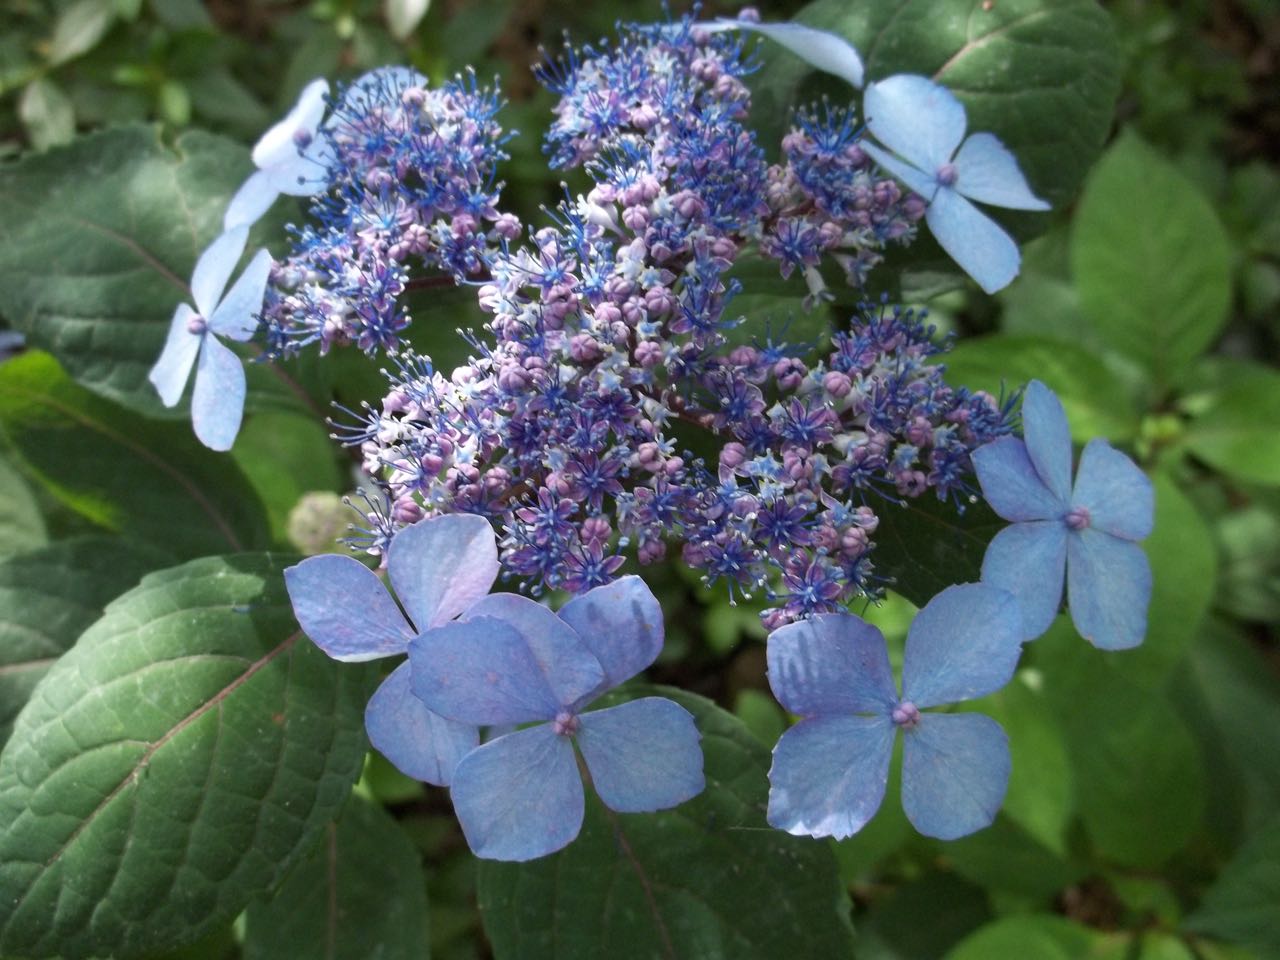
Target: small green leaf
1237	432
1038	936
49	597
47	114
1243	905
1151	261
153	481
21	523
79	29
709	879
172	765
359	895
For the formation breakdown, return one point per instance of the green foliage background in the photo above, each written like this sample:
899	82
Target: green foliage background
1143	817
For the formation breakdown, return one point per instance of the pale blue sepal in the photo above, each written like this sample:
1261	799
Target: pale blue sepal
1048	438
831	663
1029	560
955	771
278	147
345	610
821	49
236	317
1010	483
1108	589
442	565
213	269
643	755
217	402
621	623
964	644
829	774
170	373
973	240
989	173
919	120
420	744
520	796
1117	494
918	182
251	201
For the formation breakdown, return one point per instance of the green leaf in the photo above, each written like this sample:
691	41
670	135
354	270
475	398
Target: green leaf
1249	584
1237	433
1033	937
1042	75
21	524
79	29
1139	777
49	597
360	894
928	545
1005	859
153	481
1151	261
1243	905
172	765
97	242
1097	404
709	879
47	114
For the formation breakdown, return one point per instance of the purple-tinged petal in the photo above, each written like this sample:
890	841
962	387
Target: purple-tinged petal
965	643
642	755
919	120
1010	483
421	744
214	267
280	144
570	669
988	172
973	240
916	180
1117	494
520	796
217	402
955	770
621	623
1029	560
251	201
820	49
237	315
1048	438
1108	589
833	663
487	671
442	565
345	610
828	775
170	373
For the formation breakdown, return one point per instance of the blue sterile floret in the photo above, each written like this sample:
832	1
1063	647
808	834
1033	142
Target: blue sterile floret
1088	532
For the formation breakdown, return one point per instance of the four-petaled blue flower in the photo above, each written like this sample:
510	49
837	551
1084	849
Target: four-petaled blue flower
922	123
217	402
289	159
830	769
512	661
1088	530
440	568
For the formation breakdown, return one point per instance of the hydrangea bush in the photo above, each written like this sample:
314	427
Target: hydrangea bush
624	409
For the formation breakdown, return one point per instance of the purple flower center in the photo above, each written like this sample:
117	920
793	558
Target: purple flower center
197	324
906	714
566	724
946	175
302	138
1077	518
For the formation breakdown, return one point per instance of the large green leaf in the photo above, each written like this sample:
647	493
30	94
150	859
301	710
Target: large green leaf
49	596
1237	432
172	765
1037	936
1151	261
97	242
152	481
360	894
927	545
708	879
1243	906
21	524
1042	75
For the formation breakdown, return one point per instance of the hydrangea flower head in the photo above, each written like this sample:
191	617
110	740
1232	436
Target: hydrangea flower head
1087	532
512	661
217	402
922	125
829	770
289	160
440	568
